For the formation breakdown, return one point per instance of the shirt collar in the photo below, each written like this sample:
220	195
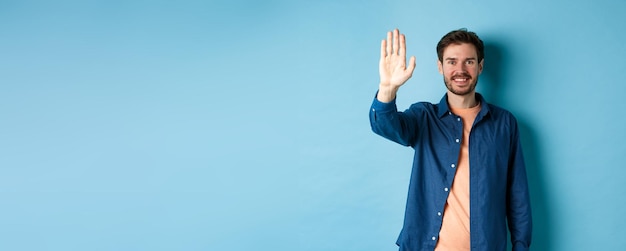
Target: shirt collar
445	109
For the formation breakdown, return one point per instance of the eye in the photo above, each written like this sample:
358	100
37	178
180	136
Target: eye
451	62
470	62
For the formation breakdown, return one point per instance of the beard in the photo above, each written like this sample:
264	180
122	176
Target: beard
461	92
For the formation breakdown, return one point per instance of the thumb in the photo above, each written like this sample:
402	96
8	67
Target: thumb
411	65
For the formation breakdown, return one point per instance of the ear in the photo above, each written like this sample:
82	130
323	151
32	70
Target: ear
440	67
480	66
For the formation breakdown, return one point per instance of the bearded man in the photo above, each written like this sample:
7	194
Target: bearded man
468	177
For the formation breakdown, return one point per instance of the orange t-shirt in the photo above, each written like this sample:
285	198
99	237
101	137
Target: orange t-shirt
455	229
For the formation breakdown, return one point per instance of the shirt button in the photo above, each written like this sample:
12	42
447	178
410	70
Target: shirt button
452	165
439	213
445	189
457	140
434	238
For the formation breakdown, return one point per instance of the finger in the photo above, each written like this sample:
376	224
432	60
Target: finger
411	65
383	49
402	50
389	42
395	41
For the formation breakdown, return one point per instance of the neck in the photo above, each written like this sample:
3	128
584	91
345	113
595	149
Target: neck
462	101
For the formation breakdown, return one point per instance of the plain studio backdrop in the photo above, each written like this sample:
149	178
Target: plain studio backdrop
243	125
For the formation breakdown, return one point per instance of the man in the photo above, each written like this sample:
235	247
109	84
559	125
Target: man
468	178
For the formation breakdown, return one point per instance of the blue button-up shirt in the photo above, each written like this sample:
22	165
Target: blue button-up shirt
498	183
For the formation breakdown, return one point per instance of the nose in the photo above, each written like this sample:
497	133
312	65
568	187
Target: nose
463	67
460	68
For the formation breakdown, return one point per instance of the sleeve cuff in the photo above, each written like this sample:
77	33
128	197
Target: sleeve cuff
378	106
520	247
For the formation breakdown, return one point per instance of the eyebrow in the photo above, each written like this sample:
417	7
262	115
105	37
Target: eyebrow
451	58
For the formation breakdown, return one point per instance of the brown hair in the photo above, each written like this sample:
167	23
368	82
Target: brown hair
461	36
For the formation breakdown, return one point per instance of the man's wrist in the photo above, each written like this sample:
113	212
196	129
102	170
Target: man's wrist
386	94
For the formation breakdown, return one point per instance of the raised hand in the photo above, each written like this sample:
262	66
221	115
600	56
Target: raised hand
392	67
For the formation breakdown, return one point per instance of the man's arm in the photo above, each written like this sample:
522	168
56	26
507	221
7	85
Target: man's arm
392	66
518	202
384	116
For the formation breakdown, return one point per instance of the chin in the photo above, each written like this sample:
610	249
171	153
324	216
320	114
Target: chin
462	92
467	90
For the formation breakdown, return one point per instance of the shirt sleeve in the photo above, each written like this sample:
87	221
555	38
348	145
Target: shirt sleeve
387	121
518	202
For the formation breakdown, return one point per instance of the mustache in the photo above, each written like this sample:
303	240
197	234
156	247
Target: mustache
461	75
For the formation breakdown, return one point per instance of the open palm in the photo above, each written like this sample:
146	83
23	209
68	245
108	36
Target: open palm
393	69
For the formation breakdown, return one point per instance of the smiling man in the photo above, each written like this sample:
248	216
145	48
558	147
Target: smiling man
468	177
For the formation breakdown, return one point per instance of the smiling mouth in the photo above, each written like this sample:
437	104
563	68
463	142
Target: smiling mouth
461	79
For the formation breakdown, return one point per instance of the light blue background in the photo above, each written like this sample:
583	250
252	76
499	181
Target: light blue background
242	125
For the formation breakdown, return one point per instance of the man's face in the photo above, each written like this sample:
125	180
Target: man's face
460	68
